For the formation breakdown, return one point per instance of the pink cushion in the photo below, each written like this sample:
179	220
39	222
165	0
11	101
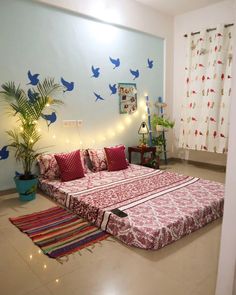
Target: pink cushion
116	159
98	159
49	168
70	165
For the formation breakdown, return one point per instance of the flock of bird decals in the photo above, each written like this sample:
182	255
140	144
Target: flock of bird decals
69	86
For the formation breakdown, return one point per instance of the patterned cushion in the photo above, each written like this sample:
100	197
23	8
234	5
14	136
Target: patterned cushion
70	165
116	159
98	159
49	168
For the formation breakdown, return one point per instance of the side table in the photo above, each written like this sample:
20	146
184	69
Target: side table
142	150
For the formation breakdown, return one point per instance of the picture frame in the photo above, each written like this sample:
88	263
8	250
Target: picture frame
127	98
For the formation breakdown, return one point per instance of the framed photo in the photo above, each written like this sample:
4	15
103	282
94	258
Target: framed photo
128	97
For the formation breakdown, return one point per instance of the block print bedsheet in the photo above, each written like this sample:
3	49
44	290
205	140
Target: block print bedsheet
162	206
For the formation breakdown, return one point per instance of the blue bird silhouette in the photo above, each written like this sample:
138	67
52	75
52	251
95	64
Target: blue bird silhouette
33	78
115	62
50	118
68	85
113	88
150	63
95	71
17	173
4	153
32	95
135	73
98	97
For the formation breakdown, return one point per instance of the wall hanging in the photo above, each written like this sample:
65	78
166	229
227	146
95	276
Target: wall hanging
128	97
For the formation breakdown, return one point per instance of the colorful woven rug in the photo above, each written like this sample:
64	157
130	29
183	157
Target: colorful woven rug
58	232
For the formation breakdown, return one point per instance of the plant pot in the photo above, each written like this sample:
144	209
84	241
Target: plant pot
159	128
26	188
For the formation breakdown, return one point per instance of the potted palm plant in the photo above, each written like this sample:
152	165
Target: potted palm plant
28	108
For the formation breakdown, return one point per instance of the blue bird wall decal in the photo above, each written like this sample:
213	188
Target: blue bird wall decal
68	85
32	95
150	63
33	78
4	153
50	118
115	62
113	88
95	71
98	96
18	173
135	74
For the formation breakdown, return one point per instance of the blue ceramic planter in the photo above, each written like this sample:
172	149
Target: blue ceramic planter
26	188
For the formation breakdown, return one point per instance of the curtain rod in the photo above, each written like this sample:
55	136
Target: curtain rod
208	30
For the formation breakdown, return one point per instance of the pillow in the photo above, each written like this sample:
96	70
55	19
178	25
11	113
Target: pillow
98	159
116	159
49	168
70	165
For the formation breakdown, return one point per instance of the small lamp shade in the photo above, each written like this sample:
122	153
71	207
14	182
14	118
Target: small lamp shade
143	129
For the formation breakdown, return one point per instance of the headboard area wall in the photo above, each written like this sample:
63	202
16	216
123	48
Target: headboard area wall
93	55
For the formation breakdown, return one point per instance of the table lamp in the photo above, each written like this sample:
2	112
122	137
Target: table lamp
143	129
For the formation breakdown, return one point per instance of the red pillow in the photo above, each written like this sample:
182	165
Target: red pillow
70	165
116	159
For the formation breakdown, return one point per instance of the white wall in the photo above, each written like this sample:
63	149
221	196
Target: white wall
207	17
64	44
227	262
133	15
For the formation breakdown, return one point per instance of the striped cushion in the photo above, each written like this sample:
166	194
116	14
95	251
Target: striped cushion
70	165
116	158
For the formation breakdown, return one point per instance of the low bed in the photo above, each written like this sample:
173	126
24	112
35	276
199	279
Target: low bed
162	206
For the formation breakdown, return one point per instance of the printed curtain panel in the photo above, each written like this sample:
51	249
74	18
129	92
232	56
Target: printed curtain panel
206	104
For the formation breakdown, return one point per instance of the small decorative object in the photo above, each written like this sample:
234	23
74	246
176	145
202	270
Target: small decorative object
143	129
28	110
128	97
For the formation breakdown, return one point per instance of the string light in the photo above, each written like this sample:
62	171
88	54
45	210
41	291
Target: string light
31	256
128	120
39	251
39	129
45	266
135	114
57	280
31	140
54	136
143	116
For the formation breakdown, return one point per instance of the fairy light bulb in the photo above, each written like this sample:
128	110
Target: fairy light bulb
31	140
57	280
128	120
44	266
54	136
31	256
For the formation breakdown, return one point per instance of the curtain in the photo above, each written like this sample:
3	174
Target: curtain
206	103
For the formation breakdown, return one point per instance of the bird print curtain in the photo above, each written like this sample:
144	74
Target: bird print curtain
206	103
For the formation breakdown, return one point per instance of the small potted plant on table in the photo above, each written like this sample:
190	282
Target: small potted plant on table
28	109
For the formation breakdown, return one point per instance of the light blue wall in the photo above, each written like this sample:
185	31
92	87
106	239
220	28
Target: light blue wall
56	43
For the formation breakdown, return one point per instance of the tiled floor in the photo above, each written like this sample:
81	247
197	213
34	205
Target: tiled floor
187	267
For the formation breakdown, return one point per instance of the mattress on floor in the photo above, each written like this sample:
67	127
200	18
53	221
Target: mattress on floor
162	206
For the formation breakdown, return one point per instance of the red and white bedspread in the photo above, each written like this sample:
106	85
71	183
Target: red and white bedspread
162	206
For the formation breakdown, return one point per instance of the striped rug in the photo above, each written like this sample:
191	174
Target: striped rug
58	232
